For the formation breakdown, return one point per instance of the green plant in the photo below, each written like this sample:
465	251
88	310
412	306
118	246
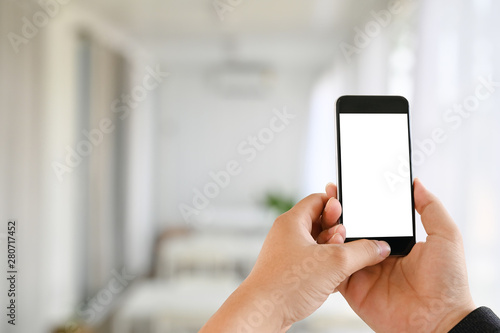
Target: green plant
278	202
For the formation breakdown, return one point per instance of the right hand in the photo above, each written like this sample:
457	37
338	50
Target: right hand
425	291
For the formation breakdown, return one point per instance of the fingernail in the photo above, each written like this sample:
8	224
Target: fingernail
328	204
417	180
384	248
340	239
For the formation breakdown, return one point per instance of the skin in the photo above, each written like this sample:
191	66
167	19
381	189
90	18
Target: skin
304	259
426	291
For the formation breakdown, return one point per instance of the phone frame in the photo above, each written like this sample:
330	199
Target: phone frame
400	246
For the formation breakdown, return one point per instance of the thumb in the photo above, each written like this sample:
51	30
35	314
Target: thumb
362	253
435	218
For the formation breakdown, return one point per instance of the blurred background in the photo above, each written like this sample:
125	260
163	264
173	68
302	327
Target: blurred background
147	146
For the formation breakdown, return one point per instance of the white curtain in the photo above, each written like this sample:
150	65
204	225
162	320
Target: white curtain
458	51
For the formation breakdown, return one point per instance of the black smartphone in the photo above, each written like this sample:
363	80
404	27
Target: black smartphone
375	182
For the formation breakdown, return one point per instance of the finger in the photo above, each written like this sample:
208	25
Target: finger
331	190
316	228
337	239
362	253
331	213
325	237
435	218
339	235
308	210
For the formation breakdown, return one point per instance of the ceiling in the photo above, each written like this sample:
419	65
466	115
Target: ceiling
280	31
161	18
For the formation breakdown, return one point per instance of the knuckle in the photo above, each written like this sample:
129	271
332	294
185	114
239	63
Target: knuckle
280	220
283	221
370	247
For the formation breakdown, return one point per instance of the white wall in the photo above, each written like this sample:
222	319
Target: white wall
199	132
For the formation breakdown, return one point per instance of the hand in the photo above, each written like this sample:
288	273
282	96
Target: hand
426	291
293	274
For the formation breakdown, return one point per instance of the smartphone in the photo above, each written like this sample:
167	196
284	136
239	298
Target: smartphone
375	182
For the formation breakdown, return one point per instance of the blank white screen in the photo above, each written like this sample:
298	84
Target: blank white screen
372	147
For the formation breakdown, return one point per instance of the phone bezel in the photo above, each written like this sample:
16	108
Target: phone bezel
373	105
